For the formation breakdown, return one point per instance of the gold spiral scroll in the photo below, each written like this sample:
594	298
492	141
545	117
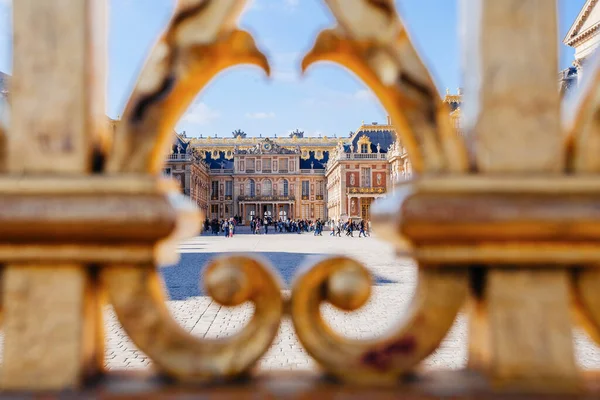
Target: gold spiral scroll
201	41
372	42
138	299
346	284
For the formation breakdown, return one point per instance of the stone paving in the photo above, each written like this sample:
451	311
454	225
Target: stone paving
394	283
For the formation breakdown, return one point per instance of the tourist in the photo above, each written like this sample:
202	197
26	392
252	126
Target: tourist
362	228
225	226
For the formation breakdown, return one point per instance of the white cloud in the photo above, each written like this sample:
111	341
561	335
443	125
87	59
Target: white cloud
260	115
291	5
254	5
286	67
286	5
363	94
201	114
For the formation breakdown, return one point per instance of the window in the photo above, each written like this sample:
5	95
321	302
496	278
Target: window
214	194
251	188
285	188
283	165
305	211
319	211
168	171
305	190
319	190
365	177
250	165
364	148
229	190
267	187
266	165
214	211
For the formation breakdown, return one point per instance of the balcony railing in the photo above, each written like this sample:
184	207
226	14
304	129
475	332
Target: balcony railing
366	190
179	157
363	156
221	171
266	198
312	171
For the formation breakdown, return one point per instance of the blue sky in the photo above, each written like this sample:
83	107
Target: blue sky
327	101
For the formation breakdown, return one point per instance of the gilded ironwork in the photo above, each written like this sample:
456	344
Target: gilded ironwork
366	190
512	232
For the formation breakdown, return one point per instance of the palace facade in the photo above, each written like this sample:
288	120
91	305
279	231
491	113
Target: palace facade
293	176
584	37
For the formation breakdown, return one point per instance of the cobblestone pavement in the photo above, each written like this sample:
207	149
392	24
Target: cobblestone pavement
394	284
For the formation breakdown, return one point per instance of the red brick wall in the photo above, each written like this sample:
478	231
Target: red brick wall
375	182
349	179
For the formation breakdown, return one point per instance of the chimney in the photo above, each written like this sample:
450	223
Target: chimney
389	120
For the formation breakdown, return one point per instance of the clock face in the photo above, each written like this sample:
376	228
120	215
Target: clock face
267	146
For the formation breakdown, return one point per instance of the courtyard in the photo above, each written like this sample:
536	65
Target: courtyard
394	282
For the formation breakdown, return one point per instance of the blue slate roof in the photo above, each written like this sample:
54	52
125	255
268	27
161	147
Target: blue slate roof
179	145
384	137
317	164
217	162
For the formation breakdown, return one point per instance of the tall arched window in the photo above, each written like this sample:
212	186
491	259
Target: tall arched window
285	188
267	187
251	188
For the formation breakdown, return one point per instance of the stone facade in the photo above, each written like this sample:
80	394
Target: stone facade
3	85
584	37
294	176
359	172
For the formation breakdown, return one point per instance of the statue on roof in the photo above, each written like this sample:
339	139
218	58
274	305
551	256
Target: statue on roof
378	148
297	133
239	133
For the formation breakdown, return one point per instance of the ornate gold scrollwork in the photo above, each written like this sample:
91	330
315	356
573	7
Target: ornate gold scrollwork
371	41
138	299
346	284
200	42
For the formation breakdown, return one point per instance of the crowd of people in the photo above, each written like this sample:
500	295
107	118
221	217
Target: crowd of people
226	226
263	225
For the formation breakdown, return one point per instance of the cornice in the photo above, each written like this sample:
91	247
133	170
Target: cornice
584	36
572	36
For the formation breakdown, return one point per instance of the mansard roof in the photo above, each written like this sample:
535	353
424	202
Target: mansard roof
219	162
312	163
382	135
454	101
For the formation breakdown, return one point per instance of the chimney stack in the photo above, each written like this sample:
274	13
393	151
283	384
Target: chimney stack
389	120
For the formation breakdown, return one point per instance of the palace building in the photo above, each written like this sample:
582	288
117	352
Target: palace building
584	37
293	176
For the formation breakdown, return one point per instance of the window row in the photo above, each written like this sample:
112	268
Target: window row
266	165
266	189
